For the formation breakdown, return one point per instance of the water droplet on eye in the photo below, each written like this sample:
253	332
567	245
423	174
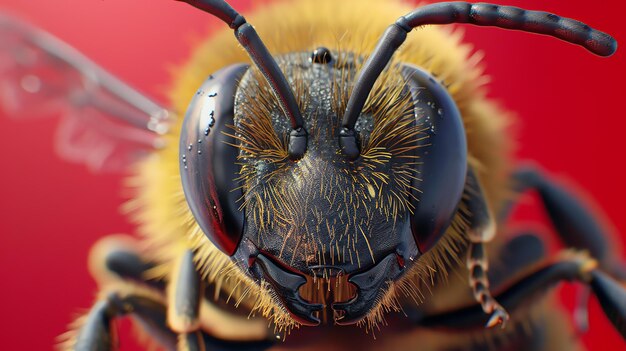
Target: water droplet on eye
190	147
199	141
212	122
212	95
206	131
215	213
440	111
199	152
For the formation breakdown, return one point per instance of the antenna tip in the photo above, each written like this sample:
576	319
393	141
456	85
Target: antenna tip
601	44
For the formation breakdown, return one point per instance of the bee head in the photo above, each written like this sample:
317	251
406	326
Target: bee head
323	220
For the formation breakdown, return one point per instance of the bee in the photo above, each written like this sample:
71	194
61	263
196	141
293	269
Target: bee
327	184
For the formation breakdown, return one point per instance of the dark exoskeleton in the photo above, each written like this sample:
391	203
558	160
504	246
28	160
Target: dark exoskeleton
212	162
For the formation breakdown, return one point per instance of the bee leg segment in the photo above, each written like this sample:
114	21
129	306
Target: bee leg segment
127	265
575	223
191	342
523	250
97	332
184	292
477	265
569	266
118	258
481	230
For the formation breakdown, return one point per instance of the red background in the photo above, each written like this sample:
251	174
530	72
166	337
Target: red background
569	103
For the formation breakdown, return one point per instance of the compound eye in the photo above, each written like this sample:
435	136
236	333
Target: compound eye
443	163
208	159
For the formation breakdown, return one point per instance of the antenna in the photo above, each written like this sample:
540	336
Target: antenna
250	40
479	14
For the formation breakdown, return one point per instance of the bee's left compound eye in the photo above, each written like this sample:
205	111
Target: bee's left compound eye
443	166
208	159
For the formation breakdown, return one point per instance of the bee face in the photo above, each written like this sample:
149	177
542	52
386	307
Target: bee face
323	198
323	216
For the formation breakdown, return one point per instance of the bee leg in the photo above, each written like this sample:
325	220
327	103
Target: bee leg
119	266
569	266
576	223
519	253
119	257
97	333
517	256
481	230
192	341
523	250
184	292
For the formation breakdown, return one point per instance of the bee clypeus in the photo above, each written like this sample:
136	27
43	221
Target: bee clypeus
329	182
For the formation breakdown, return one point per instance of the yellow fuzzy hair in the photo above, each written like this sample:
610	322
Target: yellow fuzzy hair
347	26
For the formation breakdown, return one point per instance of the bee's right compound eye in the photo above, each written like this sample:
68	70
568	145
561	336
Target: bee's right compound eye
208	159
